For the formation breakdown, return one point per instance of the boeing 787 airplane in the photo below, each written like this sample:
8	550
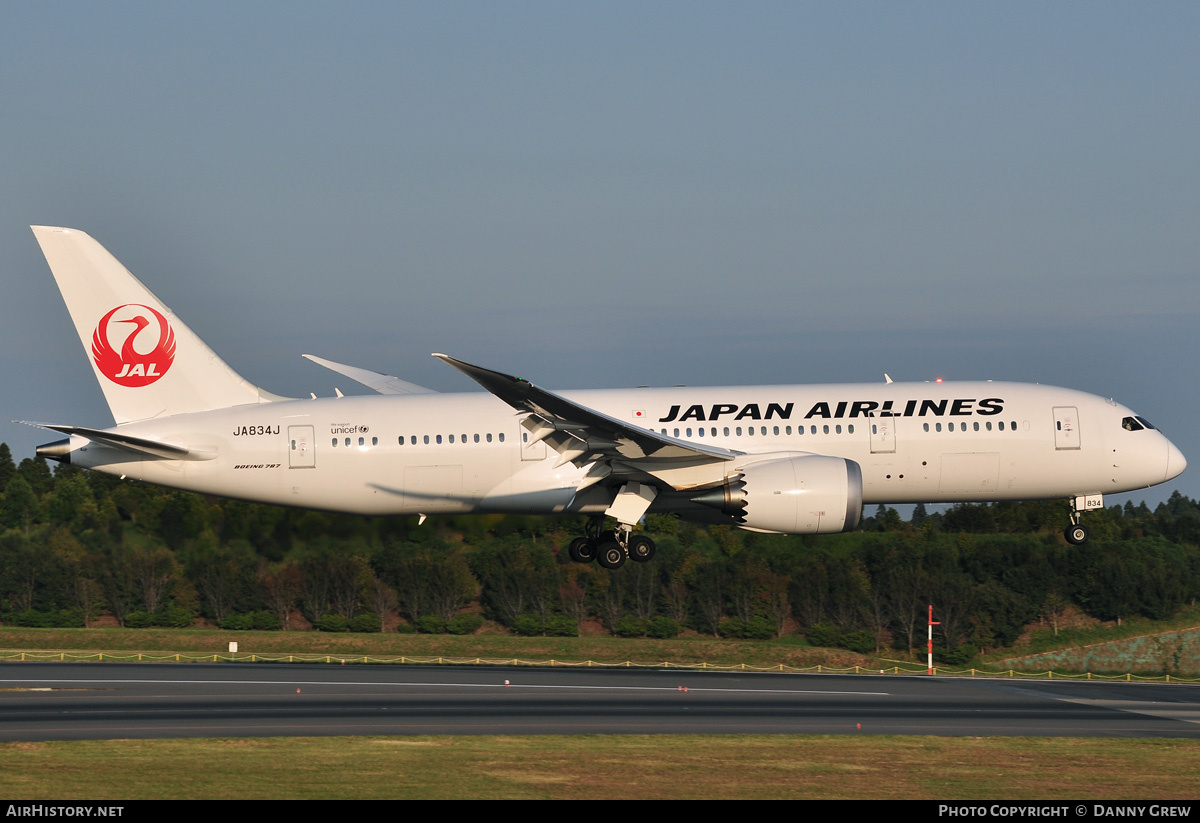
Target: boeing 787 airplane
784	459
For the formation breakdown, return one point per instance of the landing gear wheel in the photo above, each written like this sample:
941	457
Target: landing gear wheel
610	554
1076	534
582	550
641	548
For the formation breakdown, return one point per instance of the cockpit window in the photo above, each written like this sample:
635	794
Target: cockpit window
1146	423
1131	424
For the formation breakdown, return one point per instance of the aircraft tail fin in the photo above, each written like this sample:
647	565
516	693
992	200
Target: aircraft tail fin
147	361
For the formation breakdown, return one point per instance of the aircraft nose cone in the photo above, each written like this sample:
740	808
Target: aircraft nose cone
1176	462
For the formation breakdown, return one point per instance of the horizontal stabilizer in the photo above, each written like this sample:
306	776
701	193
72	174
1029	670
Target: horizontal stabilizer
382	383
130	443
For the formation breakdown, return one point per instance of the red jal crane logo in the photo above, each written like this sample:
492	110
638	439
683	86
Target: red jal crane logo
131	367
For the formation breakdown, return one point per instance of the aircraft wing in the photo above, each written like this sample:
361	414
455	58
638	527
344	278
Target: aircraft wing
582	435
382	383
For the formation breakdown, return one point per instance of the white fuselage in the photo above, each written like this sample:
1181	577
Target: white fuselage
431	453
784	459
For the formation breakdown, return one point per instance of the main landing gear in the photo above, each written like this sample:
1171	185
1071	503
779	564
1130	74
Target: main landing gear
610	548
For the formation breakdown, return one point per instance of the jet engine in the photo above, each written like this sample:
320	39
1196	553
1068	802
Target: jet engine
792	494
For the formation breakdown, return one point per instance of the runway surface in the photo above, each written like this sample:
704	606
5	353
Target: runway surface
63	701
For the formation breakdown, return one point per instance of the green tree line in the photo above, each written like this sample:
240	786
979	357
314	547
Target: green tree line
77	547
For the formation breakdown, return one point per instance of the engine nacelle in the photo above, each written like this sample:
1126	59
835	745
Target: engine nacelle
792	494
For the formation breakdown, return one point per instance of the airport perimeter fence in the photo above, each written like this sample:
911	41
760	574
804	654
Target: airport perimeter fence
327	659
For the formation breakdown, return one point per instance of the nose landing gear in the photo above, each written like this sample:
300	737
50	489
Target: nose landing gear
1077	533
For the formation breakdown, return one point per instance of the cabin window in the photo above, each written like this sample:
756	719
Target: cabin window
825	429
335	441
788	430
347	441
489	437
726	431
838	428
362	441
438	438
689	432
850	429
501	436
476	438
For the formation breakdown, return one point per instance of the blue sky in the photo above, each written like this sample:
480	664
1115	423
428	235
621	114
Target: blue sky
613	194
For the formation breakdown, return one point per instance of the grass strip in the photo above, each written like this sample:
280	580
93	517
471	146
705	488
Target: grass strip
602	767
